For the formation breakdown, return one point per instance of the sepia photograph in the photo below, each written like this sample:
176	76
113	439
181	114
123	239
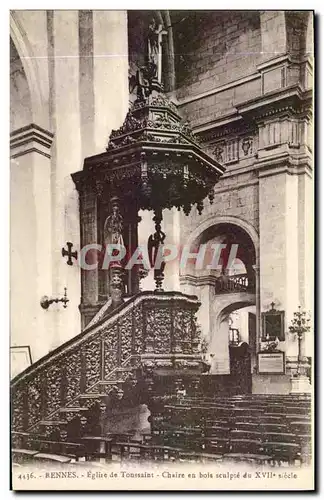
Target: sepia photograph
161	250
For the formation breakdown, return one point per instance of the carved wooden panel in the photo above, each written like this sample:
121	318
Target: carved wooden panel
53	386
73	374
110	354
138	329
158	329
125	337
17	409
34	389
162	327
92	351
182	330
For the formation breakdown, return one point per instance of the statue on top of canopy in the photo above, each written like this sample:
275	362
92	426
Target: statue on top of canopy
148	77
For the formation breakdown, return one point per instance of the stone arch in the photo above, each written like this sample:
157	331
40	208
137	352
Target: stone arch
234	304
221	308
23	47
199	234
225	219
20	98
215	308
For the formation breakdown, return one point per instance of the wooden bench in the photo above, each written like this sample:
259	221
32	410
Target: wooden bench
282	452
245	445
216	431
300	427
248	457
190	456
216	445
266	428
100	447
282	437
246	434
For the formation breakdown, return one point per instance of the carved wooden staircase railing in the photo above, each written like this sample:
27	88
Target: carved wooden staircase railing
152	333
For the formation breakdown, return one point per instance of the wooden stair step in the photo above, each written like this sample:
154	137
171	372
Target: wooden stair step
125	369
52	422
92	395
61	443
53	458
23	452
111	382
73	409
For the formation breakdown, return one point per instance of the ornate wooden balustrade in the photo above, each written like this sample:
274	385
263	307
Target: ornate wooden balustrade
151	334
236	283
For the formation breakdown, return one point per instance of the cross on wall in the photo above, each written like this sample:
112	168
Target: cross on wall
68	253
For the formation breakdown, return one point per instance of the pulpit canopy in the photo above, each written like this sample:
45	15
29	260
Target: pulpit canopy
153	158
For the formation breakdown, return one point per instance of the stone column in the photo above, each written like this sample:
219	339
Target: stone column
63	51
305	250
89	277
256	269
30	245
219	350
110	73
279	274
284	222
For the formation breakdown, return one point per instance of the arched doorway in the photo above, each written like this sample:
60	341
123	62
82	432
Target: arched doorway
226	290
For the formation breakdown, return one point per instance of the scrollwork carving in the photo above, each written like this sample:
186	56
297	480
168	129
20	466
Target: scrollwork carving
54	386
18	409
73	374
92	352
125	337
161	318
110	351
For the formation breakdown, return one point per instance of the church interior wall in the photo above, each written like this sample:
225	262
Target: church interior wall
215	49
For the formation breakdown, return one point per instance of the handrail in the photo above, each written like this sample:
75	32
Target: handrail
110	315
143	325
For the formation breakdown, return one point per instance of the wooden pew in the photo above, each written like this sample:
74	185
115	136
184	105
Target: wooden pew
283	452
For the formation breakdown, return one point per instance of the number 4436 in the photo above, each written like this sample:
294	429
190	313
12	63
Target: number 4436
26	476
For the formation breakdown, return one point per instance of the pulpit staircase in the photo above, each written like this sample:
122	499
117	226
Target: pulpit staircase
66	395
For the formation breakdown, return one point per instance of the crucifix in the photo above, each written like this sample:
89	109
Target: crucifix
154	39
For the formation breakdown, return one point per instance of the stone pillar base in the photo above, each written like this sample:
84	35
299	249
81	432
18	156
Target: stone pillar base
300	385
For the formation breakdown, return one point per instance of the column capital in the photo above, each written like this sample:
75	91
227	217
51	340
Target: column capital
30	139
